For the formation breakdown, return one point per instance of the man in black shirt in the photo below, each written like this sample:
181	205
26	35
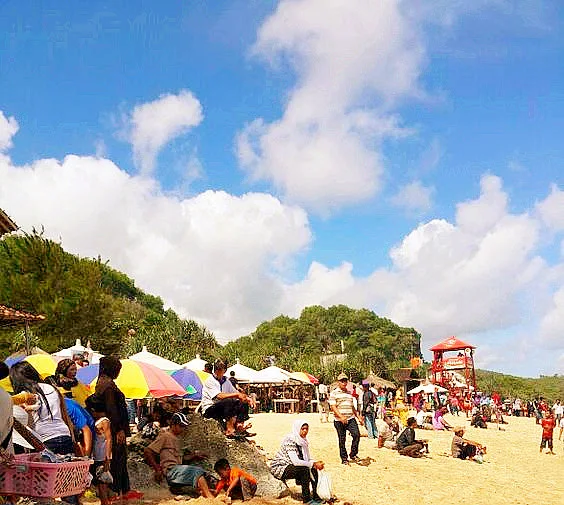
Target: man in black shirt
406	443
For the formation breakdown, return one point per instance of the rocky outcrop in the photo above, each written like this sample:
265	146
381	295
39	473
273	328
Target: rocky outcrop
206	435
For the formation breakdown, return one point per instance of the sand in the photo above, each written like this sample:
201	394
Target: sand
513	471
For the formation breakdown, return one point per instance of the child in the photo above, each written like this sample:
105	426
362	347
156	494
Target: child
548	424
240	484
102	452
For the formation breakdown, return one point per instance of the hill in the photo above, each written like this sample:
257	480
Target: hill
87	299
510	386
371	343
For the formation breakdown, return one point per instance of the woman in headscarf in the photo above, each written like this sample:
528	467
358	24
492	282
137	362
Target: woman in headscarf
65	378
116	411
293	461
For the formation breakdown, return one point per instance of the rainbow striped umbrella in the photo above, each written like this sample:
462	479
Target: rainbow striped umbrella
191	381
136	380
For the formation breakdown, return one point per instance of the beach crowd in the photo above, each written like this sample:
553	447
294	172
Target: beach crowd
58	415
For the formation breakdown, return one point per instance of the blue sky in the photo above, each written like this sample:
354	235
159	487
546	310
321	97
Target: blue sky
400	158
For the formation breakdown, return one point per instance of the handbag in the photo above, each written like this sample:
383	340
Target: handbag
324	487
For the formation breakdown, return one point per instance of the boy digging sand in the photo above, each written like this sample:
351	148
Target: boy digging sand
240	484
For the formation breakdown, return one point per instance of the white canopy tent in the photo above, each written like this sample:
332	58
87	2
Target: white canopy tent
275	375
197	364
70	352
427	389
242	373
153	359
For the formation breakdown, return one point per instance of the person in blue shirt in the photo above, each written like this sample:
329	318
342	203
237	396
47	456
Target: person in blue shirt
83	425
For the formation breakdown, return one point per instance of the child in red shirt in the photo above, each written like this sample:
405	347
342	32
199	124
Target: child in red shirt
548	424
240	484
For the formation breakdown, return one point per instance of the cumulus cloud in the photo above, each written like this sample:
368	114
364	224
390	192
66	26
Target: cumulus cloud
8	128
414	198
152	125
214	257
353	61
551	209
470	277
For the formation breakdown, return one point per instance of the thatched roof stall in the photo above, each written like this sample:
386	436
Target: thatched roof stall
6	224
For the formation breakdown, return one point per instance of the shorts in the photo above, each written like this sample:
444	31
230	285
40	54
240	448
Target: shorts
184	475
546	442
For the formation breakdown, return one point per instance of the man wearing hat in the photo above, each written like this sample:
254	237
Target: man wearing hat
346	415
168	447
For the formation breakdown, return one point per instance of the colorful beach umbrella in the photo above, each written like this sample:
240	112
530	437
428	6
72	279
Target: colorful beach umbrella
192	381
45	364
136	380
304	377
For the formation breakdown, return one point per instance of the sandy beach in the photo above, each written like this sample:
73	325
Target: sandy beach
513	471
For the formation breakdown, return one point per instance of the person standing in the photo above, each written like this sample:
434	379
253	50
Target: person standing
548	424
368	409
346	415
116	411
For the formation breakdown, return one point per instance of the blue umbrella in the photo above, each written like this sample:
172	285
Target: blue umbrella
191	381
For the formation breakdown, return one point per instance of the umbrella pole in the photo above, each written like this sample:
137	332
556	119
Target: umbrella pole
27	338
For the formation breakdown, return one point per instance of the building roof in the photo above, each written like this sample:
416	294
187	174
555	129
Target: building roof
6	223
451	344
9	315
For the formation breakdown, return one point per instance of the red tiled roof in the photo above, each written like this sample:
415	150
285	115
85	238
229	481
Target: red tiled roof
6	224
451	344
8	314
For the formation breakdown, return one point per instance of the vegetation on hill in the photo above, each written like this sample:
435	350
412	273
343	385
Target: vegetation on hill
85	298
371	343
510	386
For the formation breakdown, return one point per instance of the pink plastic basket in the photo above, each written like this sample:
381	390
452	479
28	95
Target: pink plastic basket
38	479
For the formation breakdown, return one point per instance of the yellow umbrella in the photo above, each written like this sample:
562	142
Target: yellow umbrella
45	364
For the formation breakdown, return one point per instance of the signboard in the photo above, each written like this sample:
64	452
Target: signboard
456	362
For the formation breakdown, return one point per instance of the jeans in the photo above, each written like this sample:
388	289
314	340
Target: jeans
370	425
342	429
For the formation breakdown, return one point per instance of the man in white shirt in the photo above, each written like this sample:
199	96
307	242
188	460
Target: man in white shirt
343	406
221	401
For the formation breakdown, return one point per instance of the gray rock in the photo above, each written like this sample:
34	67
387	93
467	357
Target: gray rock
205	435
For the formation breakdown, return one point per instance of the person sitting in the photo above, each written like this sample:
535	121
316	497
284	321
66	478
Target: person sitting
385	432
424	419
463	448
478	420
406	443
293	461
239	484
168	448
439	422
221	401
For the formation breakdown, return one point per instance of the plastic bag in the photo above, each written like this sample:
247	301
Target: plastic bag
324	487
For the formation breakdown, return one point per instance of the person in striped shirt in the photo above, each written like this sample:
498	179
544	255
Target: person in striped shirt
346	416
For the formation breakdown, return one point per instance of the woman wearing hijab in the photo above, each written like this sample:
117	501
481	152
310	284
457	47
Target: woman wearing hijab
65	378
294	461
116	411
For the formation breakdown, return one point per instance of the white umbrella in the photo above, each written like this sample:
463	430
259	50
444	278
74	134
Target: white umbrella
242	373
427	389
197	364
273	375
152	359
70	352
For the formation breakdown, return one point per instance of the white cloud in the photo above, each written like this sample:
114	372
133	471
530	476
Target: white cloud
414	197
8	128
213	257
154	124
551	209
552	324
354	61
